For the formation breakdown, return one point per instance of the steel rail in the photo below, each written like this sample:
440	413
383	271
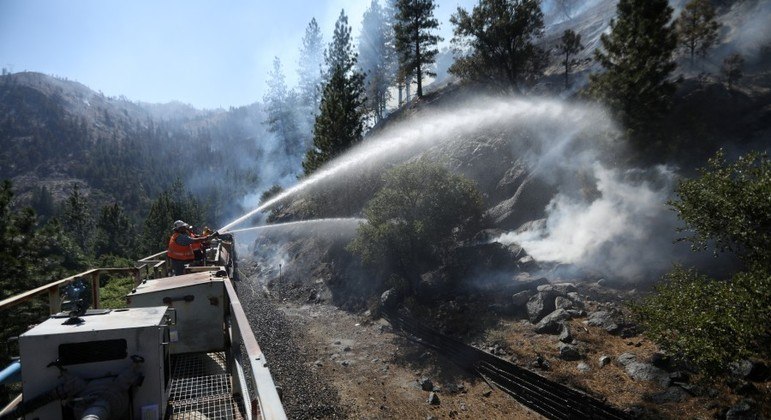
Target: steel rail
548	398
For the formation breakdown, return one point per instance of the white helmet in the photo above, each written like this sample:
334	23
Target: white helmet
179	224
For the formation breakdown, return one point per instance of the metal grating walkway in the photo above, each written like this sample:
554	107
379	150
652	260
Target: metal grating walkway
201	388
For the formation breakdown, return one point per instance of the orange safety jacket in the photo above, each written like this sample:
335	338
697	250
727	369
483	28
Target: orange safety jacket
196	245
179	252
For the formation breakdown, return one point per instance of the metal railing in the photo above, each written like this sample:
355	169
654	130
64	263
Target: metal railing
53	288
261	400
150	267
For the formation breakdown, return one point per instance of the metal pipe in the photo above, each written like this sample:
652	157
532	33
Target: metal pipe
11	373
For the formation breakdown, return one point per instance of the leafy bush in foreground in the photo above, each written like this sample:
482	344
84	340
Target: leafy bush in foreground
710	322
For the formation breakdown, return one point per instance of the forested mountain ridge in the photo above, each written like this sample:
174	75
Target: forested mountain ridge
55	133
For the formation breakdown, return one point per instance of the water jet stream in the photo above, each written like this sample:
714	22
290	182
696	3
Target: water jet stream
416	135
302	224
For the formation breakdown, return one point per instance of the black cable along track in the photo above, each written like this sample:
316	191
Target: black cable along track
548	398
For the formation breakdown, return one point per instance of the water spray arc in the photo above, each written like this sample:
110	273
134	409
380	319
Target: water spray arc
351	221
415	136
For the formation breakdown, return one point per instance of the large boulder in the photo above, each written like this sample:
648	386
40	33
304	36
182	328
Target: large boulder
541	304
528	203
552	323
640	371
568	351
606	320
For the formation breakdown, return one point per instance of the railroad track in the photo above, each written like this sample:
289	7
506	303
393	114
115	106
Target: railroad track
548	398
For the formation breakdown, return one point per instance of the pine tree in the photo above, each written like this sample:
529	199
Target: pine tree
175	203
697	28
280	109
375	57
340	121
309	67
76	218
115	233
638	63
496	42
415	42
391	10
569	46
732	69
43	203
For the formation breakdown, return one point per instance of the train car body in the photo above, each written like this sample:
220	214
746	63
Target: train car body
181	348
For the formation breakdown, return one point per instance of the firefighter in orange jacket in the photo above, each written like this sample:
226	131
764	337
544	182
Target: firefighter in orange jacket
180	250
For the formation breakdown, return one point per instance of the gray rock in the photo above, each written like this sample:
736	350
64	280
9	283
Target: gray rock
604	361
672	394
583	367
626	358
565	335
565	288
647	372
540	305
520	299
568	352
743	411
563	303
433	399
605	320
487	393
527	263
540	363
741	369
426	384
390	298
576	313
552	323
576	298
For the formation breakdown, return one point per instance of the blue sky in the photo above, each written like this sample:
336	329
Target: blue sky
206	53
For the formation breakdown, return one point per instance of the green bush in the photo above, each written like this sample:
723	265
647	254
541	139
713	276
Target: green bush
710	322
730	206
421	213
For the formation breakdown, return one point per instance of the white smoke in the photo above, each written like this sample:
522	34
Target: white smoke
623	230
747	26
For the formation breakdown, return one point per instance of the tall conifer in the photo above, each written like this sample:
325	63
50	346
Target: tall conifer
415	42
697	28
340	121
375	56
637	57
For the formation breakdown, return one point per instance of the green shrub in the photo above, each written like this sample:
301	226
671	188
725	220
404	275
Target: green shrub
710	322
113	294
730	206
421	213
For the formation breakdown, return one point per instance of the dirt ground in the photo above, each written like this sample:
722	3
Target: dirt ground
377	372
333	363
